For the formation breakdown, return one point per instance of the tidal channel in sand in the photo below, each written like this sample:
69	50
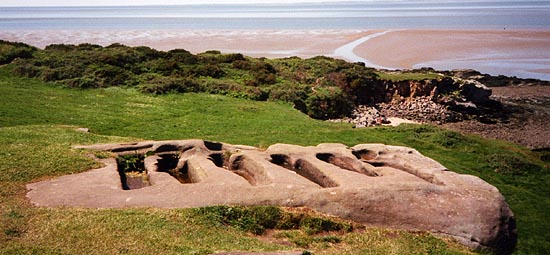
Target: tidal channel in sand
521	53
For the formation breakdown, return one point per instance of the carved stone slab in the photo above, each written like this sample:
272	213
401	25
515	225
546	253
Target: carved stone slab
374	184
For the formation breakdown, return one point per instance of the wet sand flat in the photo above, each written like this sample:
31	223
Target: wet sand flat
257	43
522	53
519	52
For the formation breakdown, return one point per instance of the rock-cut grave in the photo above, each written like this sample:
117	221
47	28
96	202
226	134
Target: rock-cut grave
373	184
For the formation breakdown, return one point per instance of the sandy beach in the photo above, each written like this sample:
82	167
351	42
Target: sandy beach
522	53
256	43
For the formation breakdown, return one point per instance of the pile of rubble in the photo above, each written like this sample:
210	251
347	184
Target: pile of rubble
364	116
420	109
429	101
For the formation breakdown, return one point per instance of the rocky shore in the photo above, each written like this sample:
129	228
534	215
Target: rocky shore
518	111
528	112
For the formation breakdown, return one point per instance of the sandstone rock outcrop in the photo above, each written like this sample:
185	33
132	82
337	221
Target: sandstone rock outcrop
442	100
374	184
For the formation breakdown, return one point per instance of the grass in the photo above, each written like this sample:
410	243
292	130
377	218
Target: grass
37	130
404	76
375	241
129	231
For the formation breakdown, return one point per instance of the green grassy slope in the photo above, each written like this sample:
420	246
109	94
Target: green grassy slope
36	140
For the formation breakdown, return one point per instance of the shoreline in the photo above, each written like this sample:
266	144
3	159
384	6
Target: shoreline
521	53
347	51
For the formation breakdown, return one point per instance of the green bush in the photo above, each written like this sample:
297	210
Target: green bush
219	87
24	67
230	58
10	51
120	56
264	77
209	70
182	56
322	87
50	75
88	46
288	93
252	93
328	103
60	47
161	66
163	85
108	75
242	65
150	53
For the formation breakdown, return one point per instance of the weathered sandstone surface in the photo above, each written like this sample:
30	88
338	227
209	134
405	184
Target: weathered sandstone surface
374	184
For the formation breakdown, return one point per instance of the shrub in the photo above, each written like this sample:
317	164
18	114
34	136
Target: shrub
264	77
161	66
25	67
163	85
50	75
338	85
286	92
242	65
328	103
209	70
337	79
213	52
230	58
60	47
108	75
253	93
69	72
182	56
150	53
88	46
10	51
120	56
116	45
218	87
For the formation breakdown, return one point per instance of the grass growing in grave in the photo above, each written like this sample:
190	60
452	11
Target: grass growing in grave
37	130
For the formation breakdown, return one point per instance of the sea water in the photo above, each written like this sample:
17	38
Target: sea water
377	14
358	15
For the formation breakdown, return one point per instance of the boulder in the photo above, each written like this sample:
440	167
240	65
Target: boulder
475	92
373	184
